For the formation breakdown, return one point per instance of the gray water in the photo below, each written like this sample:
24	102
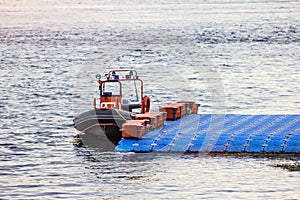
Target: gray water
231	56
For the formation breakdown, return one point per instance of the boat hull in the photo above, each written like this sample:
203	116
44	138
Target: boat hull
101	128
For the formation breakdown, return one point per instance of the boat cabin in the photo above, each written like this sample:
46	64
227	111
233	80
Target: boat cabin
121	89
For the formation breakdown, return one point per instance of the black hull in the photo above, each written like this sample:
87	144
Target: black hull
101	128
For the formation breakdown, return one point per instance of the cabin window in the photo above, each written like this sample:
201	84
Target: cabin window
111	89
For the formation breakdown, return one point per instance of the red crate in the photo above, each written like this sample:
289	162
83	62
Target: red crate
174	110
195	108
156	119
160	116
192	107
133	129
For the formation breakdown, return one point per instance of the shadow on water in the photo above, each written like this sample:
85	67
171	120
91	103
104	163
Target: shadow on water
101	156
115	167
93	141
292	167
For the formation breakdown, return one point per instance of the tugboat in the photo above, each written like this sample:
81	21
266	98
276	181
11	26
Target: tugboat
123	111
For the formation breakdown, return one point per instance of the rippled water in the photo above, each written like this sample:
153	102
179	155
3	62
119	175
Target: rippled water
231	56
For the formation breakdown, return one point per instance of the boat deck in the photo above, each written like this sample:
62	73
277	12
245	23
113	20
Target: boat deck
221	133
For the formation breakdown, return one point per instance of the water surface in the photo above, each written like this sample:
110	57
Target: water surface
230	56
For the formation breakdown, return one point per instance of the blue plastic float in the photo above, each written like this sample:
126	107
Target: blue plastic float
218	133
